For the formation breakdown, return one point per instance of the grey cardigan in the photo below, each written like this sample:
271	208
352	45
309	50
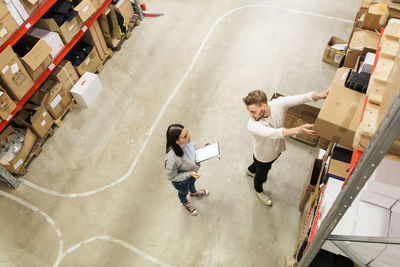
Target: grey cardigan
178	168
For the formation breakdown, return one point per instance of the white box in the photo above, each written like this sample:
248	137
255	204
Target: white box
21	9
14	13
86	89
51	38
332	190
368	63
329	246
394	228
365	254
377	199
396	207
385	180
389	257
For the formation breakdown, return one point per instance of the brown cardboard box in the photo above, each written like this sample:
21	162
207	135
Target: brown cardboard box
338	169
6	104
38	58
299	115
97	3
57	98
95	38
331	55
353	57
112	38
125	8
372	20
341	76
310	183
67	31
85	10
16	163
13	75
65	74
340	115
40	122
7	24
364	38
31	5
90	64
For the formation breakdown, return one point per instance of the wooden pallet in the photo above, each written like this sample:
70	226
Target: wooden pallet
383	87
109	54
58	122
36	150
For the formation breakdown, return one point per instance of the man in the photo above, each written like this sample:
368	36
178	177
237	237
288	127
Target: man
266	124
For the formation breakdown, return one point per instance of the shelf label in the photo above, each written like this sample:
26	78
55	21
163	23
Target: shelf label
9	117
19	162
28	25
84	28
55	101
51	66
3	32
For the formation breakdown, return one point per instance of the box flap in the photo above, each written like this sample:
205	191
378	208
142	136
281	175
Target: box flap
85	10
33	2
37	55
6	56
363	39
338	168
3	10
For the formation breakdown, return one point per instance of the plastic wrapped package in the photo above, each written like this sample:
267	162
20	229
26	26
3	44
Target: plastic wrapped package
11	145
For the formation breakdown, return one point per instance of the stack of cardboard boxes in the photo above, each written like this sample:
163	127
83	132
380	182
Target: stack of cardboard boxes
23	63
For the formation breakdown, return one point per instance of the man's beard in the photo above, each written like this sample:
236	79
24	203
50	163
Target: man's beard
261	116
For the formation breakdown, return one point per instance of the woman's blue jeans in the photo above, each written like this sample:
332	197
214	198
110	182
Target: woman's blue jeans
184	187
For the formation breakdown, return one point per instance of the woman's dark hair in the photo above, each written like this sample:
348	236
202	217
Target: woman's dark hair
173	133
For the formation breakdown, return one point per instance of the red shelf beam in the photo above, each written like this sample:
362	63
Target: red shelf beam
55	62
28	24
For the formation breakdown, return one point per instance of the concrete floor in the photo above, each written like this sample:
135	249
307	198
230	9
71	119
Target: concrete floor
97	195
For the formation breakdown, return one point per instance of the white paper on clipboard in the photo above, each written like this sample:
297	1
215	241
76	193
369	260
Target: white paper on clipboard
207	152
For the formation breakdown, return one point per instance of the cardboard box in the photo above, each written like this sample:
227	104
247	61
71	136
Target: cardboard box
38	58
338	169
95	37
6	105
86	89
125	8
85	10
17	11
57	98
51	38
16	163
385	179
31	5
67	31
97	3
310	183
376	199
354	57
13	75
364	38
340	115
40	122
112	37
65	74
299	115
332	55
7	24
90	64
372	20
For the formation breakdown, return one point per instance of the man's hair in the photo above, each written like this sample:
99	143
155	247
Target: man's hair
256	97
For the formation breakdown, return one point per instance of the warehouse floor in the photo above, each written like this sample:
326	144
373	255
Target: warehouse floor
97	194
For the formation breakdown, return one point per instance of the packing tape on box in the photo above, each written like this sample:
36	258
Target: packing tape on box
67	75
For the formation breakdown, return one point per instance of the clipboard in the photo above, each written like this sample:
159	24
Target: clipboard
207	152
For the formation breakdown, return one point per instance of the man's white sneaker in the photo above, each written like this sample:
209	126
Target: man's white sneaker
249	173
266	200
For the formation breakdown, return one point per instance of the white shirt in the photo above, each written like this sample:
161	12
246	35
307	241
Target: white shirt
269	139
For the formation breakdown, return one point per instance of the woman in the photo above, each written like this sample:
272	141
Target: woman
181	165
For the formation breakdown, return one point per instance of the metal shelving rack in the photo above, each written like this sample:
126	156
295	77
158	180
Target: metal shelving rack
386	134
6	177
